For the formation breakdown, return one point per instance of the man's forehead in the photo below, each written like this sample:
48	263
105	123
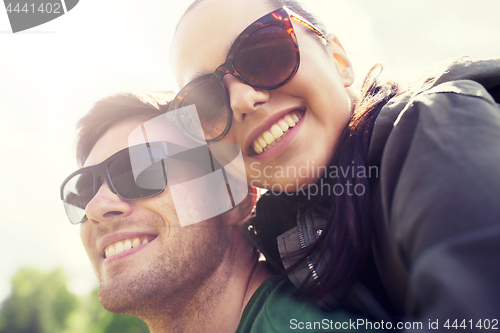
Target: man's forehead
159	128
112	141
134	131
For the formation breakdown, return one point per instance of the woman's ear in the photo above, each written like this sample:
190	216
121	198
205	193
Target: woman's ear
345	69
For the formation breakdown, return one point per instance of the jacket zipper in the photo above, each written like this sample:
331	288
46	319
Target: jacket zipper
303	246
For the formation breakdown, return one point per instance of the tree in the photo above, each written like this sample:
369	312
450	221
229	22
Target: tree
102	321
39	303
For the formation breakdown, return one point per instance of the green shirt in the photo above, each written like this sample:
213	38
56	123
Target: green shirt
273	308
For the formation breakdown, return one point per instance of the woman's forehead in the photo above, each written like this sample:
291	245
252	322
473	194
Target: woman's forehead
205	34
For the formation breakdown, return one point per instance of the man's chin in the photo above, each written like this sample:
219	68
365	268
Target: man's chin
139	294
124	300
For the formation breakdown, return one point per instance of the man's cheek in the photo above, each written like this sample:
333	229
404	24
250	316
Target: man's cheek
85	235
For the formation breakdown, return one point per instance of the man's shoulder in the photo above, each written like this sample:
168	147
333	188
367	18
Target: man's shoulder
274	308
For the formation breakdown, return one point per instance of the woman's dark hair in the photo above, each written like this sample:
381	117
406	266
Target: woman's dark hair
350	228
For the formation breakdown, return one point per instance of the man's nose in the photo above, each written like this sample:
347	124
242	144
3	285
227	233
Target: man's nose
244	99
107	206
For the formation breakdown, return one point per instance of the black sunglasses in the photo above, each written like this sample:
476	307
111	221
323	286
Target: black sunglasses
135	172
140	172
265	56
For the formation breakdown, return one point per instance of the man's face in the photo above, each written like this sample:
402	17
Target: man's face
166	263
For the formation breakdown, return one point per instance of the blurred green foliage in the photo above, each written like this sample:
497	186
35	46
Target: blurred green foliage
40	302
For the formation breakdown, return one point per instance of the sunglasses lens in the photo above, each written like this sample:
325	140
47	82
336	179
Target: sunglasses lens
210	101
267	57
78	192
139	174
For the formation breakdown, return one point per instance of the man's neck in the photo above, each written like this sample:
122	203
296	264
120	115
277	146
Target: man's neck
219	304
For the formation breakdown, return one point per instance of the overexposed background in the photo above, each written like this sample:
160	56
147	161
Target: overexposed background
50	76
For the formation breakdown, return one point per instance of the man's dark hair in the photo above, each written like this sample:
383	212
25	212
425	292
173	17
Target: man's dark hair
116	108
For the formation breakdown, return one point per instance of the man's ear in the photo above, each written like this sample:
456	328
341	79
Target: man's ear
345	69
243	210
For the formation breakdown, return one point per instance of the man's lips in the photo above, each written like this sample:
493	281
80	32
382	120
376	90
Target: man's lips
265	135
124	241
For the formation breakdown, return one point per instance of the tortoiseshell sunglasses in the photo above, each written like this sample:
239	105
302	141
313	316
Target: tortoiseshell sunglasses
265	56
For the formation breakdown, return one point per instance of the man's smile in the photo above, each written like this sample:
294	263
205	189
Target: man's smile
122	244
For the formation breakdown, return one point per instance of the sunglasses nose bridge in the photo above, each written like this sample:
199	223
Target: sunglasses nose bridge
223	70
100	178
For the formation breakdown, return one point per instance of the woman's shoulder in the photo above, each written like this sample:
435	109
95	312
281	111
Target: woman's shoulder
484	71
456	83
437	148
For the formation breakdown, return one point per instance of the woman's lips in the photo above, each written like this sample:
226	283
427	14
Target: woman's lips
279	147
276	132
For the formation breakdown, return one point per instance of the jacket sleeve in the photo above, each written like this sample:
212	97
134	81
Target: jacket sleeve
440	178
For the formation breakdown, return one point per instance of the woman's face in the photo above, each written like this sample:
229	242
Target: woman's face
314	103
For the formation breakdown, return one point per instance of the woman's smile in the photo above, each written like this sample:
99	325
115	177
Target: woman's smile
273	135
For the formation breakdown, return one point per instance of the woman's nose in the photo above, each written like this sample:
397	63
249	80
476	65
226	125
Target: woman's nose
243	99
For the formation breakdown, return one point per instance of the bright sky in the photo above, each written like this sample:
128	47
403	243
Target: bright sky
50	76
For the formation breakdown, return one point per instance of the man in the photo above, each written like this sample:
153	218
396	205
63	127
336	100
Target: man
201	276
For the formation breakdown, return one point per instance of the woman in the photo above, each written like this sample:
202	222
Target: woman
398	194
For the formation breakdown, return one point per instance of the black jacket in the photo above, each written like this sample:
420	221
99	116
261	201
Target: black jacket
439	154
437	203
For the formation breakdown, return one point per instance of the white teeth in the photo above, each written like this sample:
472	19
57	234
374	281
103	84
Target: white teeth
276	131
284	126
119	247
125	245
262	142
136	242
269	138
289	121
257	148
